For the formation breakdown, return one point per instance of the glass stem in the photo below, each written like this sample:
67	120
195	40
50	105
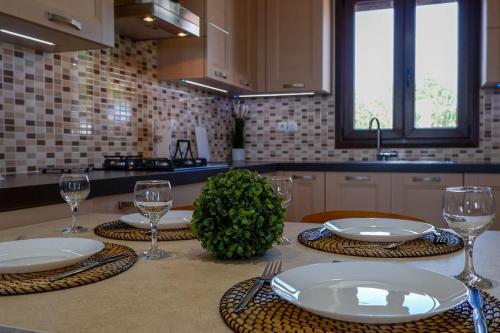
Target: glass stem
74	211
469	263
154	236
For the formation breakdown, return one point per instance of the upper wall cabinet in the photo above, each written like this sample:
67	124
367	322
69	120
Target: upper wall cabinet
298	45
490	71
58	25
224	55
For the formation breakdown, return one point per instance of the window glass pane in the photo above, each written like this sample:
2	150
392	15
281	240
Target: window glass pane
436	64
373	63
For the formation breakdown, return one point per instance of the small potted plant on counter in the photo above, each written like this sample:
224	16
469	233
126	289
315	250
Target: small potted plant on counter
238	215
240	113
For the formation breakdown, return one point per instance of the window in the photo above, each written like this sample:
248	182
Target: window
414	65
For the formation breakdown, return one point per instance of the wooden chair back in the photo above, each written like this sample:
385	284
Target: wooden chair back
345	214
186	207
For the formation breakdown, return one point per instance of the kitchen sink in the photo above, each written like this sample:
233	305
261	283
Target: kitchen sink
408	162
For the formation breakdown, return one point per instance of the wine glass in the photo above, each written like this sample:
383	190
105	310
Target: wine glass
74	188
153	199
469	211
283	187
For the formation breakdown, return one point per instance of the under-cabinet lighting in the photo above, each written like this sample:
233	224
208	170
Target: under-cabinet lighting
182	34
204	86
27	37
277	95
148	19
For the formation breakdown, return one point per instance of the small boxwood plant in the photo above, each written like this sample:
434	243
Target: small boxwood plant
237	215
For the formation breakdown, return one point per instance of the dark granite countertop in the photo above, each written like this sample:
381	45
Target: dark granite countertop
31	190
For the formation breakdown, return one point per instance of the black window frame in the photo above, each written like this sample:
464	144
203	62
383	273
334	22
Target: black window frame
403	133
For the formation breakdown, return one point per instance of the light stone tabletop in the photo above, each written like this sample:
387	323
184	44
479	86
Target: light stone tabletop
181	294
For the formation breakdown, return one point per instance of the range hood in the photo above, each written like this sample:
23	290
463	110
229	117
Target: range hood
154	19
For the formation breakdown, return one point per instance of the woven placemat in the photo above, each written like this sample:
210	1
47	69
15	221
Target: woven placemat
38	282
122	231
422	247
269	313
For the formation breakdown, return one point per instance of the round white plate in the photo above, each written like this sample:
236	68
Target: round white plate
379	229
41	254
174	219
369	292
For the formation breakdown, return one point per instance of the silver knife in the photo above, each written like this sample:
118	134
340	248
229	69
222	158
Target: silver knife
476	301
272	268
87	267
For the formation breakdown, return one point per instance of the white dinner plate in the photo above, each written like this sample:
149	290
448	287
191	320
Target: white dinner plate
41	254
174	219
379	229
369	292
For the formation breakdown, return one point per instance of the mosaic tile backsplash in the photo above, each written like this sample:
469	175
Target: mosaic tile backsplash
315	138
72	109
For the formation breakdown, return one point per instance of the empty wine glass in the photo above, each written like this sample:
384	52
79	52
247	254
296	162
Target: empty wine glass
74	188
283	187
153	199
469	211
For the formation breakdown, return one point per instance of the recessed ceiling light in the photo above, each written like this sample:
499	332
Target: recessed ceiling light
204	86
148	19
182	34
27	37
277	95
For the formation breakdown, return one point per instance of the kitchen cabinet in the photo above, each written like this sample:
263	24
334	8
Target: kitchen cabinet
308	194
492	180
224	55
491	13
243	49
69	24
298	45
358	191
490	53
421	195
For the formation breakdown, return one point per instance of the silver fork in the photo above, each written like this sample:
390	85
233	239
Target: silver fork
316	234
390	246
272	268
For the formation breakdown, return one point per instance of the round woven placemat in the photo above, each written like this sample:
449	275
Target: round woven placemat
269	313
122	231
422	247
38	282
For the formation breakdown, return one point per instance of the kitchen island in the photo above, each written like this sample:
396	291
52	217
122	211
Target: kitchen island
182	294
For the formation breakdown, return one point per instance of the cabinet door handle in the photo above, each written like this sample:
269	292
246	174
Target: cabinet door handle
64	20
219	28
125	204
358	178
432	179
244	83
294	85
305	177
220	74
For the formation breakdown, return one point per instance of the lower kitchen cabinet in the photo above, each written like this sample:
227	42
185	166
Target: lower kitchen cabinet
485	179
308	194
358	191
420	195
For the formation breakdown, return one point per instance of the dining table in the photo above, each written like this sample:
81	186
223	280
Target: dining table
182	294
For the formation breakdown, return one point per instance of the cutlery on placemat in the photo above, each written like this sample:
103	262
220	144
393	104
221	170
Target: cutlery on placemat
316	234
439	238
476	301
272	268
86	267
390	246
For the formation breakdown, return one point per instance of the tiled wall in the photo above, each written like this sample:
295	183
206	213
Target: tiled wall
72	109
315	138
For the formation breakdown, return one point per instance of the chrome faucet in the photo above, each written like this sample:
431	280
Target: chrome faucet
381	154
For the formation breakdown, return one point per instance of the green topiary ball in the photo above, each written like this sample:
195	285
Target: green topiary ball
237	215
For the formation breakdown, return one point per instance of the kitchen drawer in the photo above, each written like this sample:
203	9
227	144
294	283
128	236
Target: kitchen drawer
358	191
421	195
